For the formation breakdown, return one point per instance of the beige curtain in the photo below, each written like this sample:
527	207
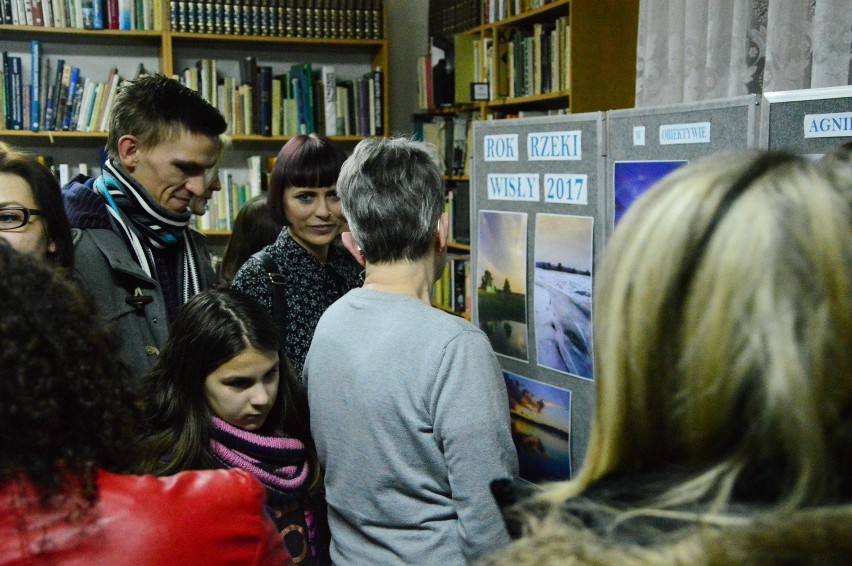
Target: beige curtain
691	50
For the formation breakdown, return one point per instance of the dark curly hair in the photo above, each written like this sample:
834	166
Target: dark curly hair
64	410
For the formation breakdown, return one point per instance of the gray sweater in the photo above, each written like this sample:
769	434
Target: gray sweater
410	417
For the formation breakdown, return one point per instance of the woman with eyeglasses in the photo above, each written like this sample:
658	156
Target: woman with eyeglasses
32	216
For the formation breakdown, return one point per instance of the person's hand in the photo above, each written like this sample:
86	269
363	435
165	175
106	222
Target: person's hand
349	244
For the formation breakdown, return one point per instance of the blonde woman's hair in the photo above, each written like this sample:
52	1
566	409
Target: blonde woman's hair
723	338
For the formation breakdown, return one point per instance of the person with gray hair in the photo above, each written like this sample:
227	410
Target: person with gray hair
408	406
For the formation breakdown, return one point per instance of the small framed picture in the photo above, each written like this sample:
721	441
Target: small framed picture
479	92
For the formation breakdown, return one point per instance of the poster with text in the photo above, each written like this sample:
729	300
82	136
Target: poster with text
501	281
632	178
541	428
562	298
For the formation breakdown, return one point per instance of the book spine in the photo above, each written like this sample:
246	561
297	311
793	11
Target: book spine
329	84
37	11
264	74
378	78
97	14
364	106
7	12
47	7
125	14
17	93
35	84
69	102
28	12
52	95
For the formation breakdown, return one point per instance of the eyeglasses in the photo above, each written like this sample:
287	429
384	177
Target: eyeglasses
12	217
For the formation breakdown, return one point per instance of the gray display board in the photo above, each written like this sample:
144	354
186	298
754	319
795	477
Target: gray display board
806	122
645	144
537	228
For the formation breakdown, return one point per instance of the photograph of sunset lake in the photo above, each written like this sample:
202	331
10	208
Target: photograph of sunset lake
541	428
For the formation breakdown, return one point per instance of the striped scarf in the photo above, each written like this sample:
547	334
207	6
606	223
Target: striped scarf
279	462
145	225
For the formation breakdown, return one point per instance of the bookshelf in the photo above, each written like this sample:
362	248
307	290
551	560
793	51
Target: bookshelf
164	49
538	57
592	63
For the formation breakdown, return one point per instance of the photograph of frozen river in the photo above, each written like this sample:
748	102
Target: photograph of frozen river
562	297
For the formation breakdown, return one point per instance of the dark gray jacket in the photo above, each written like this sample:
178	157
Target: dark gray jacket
110	273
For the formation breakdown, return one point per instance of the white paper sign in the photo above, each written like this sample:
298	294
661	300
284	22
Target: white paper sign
554	146
513	186
638	135
566	188
673	134
502	147
836	125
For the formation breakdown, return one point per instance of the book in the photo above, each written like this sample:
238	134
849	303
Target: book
248	76
74	78
378	97
6	12
125	14
112	85
329	89
37	11
264	78
97	14
15	100
363	106
86	97
304	73
35	84
3	106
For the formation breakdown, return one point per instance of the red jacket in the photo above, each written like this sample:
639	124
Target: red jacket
199	517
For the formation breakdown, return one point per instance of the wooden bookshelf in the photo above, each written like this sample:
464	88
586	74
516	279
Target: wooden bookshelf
169	52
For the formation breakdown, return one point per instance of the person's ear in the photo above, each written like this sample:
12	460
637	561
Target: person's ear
128	152
352	246
443	232
51	247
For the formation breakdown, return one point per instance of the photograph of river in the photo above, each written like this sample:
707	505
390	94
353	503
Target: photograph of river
562	297
541	428
501	281
632	178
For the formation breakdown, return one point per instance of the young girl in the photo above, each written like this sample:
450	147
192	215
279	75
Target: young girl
222	395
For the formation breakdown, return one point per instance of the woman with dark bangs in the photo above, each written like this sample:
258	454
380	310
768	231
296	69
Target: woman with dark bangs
303	272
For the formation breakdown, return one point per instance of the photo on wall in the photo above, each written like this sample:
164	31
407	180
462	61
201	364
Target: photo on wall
501	281
541	428
632	178
562	296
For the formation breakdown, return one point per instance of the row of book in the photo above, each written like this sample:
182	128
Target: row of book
496	10
449	17
539	62
83	14
303	100
226	204
452	290
327	19
451	135
53	99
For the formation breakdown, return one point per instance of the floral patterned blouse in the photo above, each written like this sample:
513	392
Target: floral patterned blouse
311	287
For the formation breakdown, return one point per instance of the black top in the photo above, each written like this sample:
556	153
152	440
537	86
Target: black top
311	287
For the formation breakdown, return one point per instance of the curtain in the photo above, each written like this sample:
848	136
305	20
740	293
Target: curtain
691	50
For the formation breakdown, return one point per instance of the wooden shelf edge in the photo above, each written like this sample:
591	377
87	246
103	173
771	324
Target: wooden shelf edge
321	41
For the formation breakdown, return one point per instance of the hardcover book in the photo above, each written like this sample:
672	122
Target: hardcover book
35	84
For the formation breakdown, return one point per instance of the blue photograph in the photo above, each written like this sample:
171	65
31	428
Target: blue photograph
562	297
632	178
541	428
